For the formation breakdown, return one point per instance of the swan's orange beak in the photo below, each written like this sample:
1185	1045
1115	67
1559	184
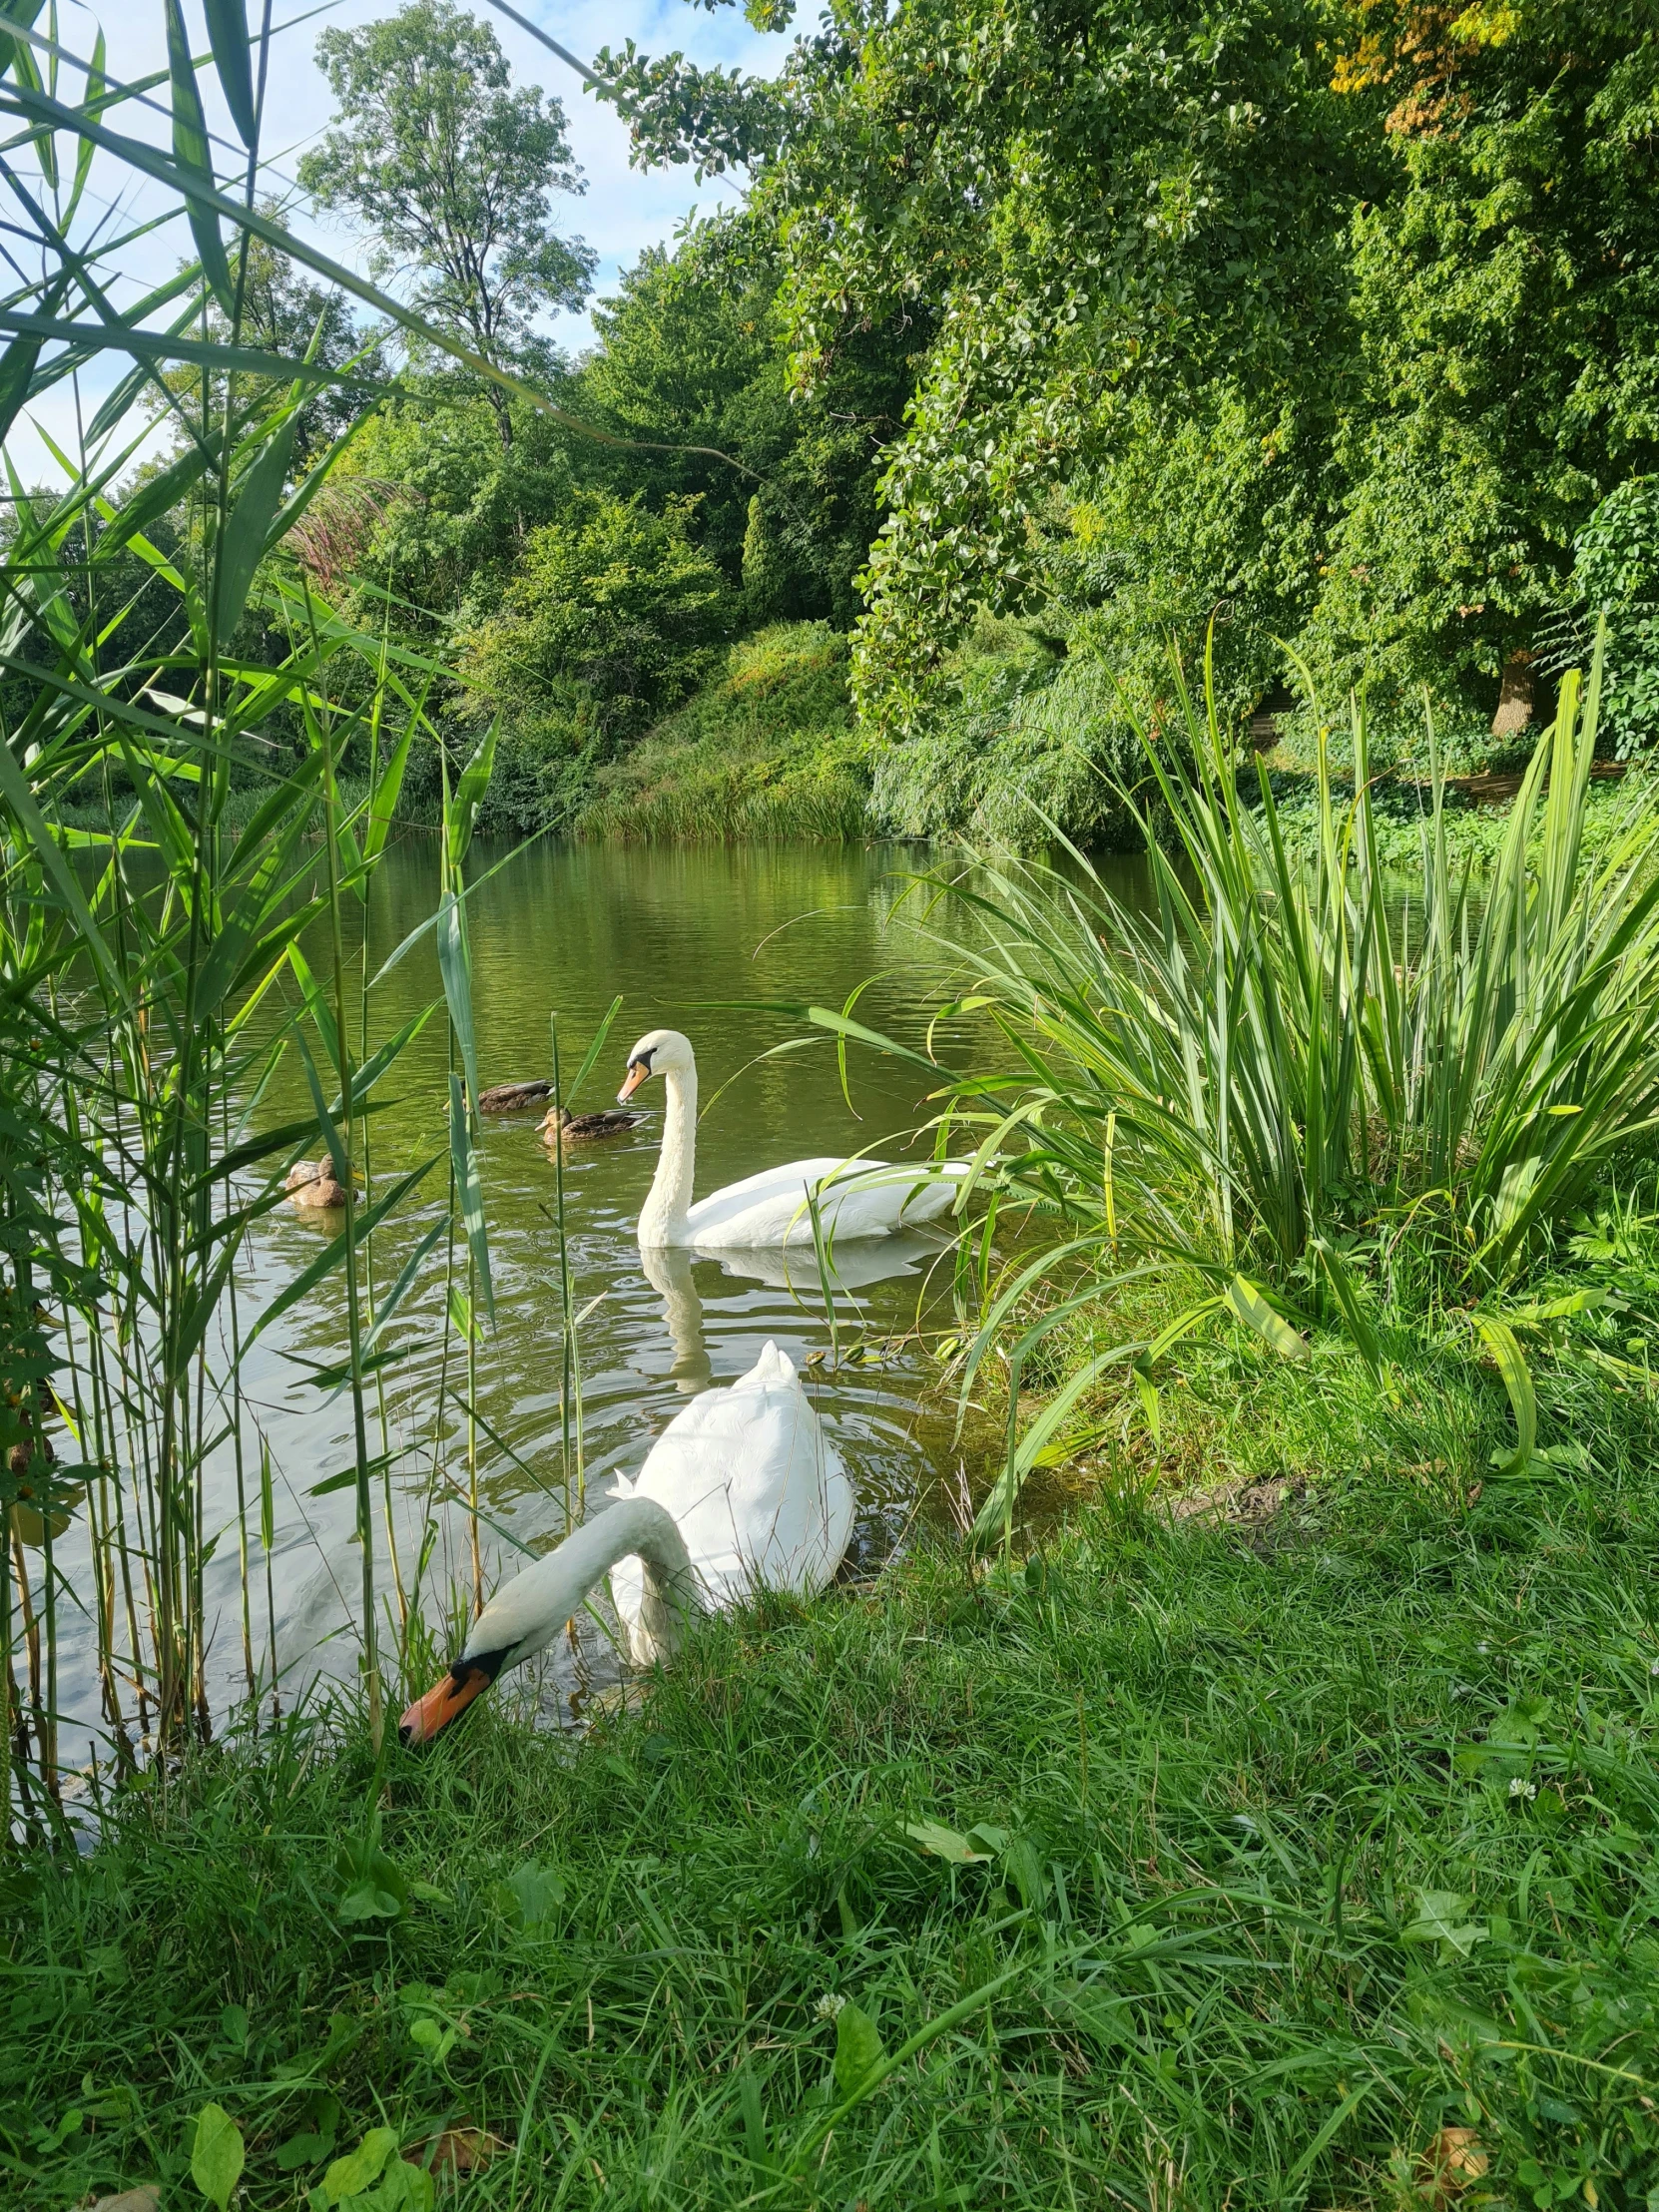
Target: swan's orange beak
447	1698
639	1071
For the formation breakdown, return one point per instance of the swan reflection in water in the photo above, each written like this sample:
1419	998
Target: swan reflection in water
852	1266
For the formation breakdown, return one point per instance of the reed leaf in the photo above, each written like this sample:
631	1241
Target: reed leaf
191	151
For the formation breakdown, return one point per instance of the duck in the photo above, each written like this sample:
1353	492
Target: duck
743	1490
585	1128
313	1187
855	1197
512	1098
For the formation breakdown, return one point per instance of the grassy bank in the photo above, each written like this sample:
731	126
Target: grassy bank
1302	1839
767	750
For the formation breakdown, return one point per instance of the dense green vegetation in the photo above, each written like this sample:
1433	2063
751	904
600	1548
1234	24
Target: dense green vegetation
1331	323
1277	1829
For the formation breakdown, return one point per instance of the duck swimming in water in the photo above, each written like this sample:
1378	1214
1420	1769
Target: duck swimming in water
585	1128
512	1098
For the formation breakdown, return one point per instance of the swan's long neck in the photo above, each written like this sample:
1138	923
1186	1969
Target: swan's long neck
663	1217
526	1616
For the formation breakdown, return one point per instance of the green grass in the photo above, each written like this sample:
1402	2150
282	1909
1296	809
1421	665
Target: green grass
766	751
1318	1836
1474	834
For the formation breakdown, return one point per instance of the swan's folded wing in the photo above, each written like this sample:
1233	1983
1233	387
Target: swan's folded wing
877	1200
855	1198
775	1194
756	1490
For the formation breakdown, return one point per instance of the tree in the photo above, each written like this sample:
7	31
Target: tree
284	312
607	623
450	167
1086	216
611	619
694	349
1506	283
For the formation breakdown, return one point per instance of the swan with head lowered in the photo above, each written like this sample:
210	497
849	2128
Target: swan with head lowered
855	1197
743	1490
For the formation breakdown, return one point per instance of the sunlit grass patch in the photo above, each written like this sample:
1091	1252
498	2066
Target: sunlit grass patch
1278	1858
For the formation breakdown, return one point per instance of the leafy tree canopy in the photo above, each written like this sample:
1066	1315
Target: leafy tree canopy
450	167
608	621
692	351
1389	266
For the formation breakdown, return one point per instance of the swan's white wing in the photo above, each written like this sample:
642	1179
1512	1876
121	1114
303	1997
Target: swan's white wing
872	1199
857	1198
758	1491
776	1195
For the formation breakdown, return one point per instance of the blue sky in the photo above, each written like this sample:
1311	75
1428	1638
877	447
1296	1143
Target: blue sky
622	210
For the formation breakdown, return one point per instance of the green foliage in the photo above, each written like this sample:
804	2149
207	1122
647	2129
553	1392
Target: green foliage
450	169
611	618
1209	506
1615	574
453	505
765	750
216	2155
1333	322
1156	197
1016	742
1270	1067
1504	292
374	2178
694	349
859	2050
136	1180
371	1886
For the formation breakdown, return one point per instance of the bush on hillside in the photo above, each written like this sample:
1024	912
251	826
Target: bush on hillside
766	750
1027	739
612	618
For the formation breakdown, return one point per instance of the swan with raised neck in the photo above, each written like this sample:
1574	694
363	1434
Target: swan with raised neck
847	1198
664	1052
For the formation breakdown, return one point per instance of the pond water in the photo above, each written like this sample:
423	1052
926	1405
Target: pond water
699	940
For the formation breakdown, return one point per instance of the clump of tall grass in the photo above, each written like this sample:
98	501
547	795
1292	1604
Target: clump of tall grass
766	750
153	915
1290	1070
1294	1049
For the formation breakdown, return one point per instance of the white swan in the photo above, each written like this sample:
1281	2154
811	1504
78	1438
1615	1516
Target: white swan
855	1197
741	1490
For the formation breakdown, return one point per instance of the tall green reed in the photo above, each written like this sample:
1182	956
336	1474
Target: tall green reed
152	973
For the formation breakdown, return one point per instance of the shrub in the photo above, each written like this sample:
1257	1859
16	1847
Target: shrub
1616	573
769	750
1027	736
612	618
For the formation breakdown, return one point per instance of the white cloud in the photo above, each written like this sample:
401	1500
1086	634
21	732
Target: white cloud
621	212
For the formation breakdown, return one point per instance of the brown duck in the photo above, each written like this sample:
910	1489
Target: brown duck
313	1187
585	1128
512	1098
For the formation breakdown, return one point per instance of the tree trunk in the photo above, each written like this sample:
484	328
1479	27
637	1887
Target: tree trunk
1514	698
